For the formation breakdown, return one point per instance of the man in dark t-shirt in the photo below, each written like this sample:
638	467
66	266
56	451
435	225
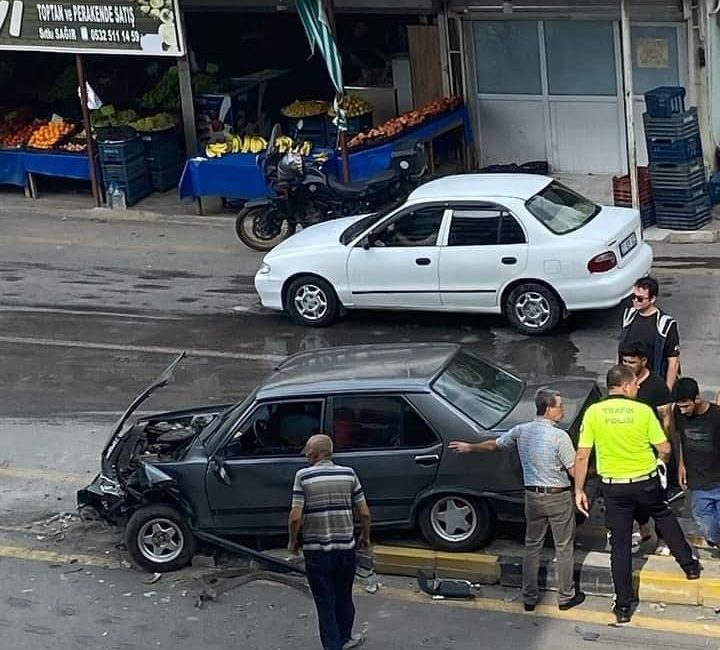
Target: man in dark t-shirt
653	392
646	324
698	423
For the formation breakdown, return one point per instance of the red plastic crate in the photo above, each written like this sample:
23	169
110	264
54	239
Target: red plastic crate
622	194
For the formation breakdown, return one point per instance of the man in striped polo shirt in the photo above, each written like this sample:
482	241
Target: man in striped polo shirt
323	500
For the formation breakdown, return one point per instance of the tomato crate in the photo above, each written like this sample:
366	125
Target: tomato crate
622	193
665	101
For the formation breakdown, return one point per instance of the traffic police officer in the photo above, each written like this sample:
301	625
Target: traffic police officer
624	433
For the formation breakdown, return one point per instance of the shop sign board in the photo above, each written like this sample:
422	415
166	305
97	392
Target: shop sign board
146	27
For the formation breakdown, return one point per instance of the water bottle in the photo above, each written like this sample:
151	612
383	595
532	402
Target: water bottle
117	198
110	192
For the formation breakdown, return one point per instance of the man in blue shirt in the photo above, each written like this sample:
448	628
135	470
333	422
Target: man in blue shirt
547	457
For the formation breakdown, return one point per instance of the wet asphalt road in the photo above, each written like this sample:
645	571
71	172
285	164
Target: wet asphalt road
92	309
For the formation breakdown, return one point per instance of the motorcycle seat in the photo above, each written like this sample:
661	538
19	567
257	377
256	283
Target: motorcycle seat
360	187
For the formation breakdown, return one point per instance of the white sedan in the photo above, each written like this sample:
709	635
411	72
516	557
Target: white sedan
518	244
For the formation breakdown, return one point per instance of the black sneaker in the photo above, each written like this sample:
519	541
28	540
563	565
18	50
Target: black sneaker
693	572
529	607
577	599
622	614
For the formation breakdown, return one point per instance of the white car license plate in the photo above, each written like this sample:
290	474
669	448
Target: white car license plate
627	244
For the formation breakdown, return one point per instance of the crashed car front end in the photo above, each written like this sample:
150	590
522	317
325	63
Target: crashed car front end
131	467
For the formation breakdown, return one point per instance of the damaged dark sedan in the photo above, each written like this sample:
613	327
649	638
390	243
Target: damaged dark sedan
391	410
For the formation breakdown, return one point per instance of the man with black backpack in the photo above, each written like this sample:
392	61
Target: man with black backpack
645	324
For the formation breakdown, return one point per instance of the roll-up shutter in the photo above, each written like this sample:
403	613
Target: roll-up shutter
656	10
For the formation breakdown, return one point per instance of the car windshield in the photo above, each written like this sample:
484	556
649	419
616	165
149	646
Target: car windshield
561	209
361	225
483	392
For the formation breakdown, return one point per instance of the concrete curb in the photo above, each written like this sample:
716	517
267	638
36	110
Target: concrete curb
657	579
655	235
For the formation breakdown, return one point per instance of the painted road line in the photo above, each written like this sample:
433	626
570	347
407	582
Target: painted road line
22	309
151	349
583	614
48	475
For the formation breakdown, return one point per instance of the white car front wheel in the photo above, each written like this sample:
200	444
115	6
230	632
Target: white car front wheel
311	301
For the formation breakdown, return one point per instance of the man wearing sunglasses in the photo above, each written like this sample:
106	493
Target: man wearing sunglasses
645	324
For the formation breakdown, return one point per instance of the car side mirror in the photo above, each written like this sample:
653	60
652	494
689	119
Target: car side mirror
218	466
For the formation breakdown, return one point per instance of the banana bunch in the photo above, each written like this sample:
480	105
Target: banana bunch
236	144
285	144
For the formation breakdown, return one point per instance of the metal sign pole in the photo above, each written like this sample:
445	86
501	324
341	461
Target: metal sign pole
80	65
629	102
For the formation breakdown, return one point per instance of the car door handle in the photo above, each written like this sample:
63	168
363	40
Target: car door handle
423	261
509	260
427	459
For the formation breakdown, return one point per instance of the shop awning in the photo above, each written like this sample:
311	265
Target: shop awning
320	35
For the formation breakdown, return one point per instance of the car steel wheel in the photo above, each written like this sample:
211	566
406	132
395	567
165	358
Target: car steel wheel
453	518
160	540
532	309
311	302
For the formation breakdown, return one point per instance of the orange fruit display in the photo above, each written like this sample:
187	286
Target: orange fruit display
48	135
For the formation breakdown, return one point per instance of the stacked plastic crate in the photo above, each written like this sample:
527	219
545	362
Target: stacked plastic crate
622	195
123	164
677	170
164	158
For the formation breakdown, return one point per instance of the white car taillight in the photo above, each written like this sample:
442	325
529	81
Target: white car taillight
602	263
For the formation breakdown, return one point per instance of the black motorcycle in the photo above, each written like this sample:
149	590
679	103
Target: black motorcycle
304	194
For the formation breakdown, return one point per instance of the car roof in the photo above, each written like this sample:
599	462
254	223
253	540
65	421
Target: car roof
401	367
480	186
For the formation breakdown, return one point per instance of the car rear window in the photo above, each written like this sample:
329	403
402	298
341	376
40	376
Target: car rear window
483	392
561	209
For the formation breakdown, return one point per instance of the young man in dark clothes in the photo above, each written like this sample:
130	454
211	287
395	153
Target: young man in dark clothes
653	392
698	424
645	323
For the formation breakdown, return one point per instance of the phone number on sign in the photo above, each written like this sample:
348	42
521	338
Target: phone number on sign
111	35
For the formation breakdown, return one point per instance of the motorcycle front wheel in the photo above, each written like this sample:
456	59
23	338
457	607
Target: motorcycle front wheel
263	227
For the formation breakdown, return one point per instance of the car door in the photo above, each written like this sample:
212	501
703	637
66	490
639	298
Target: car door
397	264
259	462
486	246
393	449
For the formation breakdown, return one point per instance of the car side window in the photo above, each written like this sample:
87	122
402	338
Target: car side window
511	232
419	227
475	228
276	429
378	422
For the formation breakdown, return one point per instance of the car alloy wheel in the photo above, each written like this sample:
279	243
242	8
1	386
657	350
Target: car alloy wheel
160	540
453	519
311	302
533	310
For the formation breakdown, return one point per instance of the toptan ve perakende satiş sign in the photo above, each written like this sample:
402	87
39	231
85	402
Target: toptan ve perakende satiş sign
147	27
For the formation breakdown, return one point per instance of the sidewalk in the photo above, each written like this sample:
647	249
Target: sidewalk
657	578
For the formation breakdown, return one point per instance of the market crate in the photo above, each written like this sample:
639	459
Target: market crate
668	175
118	152
163	156
314	128
166	179
154	139
126	171
683	215
682	125
355	125
680	194
135	190
622	193
674	149
665	101
714	188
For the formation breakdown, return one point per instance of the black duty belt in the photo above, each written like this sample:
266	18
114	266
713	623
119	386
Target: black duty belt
546	490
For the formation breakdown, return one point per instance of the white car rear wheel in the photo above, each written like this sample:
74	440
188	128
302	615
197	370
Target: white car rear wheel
533	308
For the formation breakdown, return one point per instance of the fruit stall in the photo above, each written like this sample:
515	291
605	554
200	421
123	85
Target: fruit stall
231	170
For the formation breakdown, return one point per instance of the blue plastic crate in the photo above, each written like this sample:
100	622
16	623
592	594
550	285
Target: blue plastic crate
135	190
669	175
165	179
126	171
681	194
674	149
681	125
119	152
714	188
683	215
665	101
